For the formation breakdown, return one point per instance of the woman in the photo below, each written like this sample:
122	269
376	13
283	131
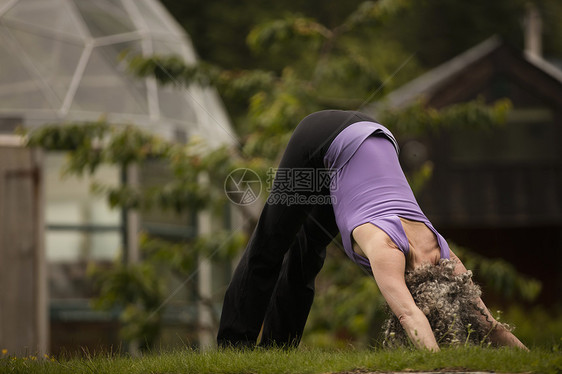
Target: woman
382	227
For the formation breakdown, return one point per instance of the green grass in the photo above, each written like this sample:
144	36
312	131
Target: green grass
297	361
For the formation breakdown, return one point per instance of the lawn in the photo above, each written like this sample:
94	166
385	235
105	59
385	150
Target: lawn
300	361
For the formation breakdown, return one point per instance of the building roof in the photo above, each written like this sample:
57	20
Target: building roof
60	62
435	79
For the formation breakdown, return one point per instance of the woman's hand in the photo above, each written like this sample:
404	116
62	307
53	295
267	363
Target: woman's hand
503	337
388	265
499	335
419	331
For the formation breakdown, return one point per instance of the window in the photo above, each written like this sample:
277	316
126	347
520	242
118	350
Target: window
80	228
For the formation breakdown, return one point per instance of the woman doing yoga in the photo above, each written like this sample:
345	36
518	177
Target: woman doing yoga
368	200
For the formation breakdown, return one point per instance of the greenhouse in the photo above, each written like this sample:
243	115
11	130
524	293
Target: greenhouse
62	61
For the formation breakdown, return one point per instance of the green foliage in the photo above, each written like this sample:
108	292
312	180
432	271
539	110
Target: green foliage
138	290
536	326
269	34
173	70
346	300
333	69
421	26
68	137
82	139
418	119
197	176
330	67
419	178
275	35
376	11
92	143
500	276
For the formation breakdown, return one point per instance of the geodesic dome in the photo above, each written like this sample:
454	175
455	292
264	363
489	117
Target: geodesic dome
59	62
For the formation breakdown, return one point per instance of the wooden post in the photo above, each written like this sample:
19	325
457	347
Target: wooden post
132	220
131	228
205	278
23	280
533	31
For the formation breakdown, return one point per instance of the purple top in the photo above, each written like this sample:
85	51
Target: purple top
368	185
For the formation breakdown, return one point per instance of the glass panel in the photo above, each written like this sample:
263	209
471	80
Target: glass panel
215	123
55	60
115	55
8	125
173	47
69	280
156	221
23	96
105	89
51	15
221	279
12	70
165	48
105	17
90	210
63	213
176	103
69	200
104	246
64	246
156	20
18	89
75	246
81	228
4	3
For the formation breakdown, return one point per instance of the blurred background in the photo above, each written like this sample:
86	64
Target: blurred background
120	121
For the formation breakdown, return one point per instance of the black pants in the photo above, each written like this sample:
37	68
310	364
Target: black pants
273	284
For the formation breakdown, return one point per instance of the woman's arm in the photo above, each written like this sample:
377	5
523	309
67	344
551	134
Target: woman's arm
499	335
388	265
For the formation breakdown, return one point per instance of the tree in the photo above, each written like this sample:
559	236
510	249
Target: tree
218	29
331	68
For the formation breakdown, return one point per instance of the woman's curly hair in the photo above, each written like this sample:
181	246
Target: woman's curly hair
449	301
